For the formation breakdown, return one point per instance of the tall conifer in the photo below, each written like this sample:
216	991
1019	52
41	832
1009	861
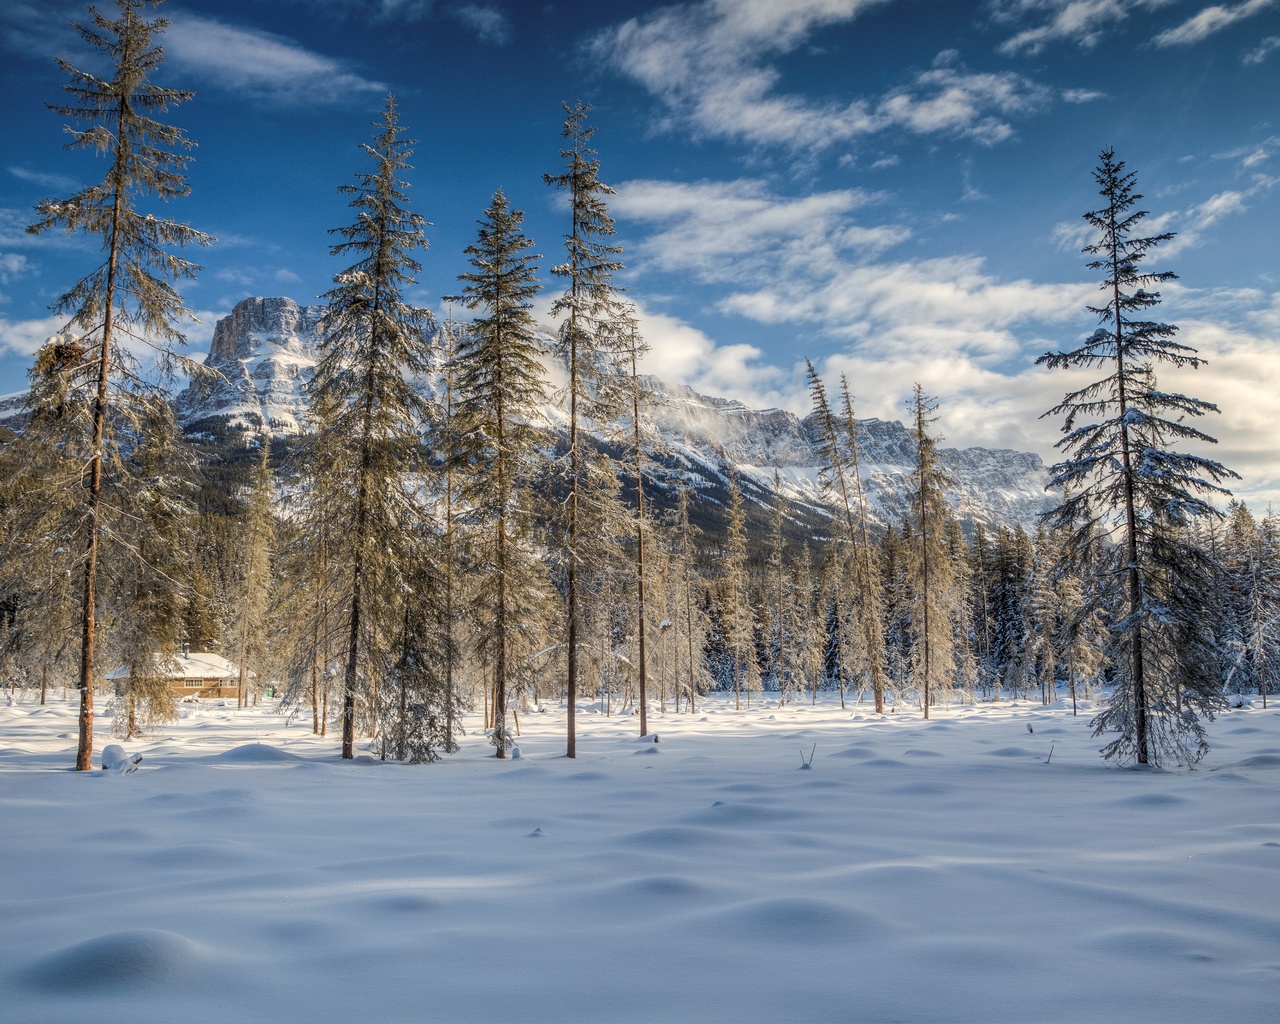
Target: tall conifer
368	438
593	347
1123	478
130	294
501	390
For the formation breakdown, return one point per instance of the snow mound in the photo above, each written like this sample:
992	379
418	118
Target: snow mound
721	813
119	960
254	753
857	751
1267	760
677	837
788	920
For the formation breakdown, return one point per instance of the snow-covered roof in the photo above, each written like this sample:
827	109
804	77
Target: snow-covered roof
196	665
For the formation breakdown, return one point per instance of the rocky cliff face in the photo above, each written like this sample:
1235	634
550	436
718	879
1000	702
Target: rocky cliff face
265	351
992	486
261	357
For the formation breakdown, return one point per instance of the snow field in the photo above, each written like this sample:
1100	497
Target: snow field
931	871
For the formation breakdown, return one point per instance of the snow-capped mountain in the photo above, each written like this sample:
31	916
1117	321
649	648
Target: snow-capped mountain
266	349
263	353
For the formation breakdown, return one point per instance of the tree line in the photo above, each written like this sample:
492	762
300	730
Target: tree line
426	548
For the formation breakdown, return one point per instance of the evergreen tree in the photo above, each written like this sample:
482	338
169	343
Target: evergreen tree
738	617
639	394
1123	477
130	294
254	578
368	436
1251	596
592	346
1082	640
981	582
501	389
933	652
144	595
689	623
861	635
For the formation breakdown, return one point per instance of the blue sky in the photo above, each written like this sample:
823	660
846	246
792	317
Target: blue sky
892	188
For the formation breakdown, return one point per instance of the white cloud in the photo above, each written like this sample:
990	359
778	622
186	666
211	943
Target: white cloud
805	259
709	65
261	64
1262	51
725	230
793	263
12	265
1252	155
40	26
488	23
1190	224
1193	222
377	10
679	353
24	337
1210	21
58	182
1082	22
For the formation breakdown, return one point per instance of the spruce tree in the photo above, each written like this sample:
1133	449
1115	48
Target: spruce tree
736	598
933	593
862	630
143	595
1123	477
501	390
593	347
368	439
254	576
130	294
639	395
689	621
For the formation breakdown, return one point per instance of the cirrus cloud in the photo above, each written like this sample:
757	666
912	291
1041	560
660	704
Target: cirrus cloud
710	66
262	65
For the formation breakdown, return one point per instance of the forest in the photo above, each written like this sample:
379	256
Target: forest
409	558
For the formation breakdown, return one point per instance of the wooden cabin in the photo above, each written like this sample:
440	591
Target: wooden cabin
194	674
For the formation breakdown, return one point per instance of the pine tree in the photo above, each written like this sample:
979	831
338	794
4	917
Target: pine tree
1082	614
501	389
981	583
689	621
1250	631
452	554
862	631
592	347
369	427
639	395
933	576
777	565
144	594
1123	477
738	615
253	578
130	293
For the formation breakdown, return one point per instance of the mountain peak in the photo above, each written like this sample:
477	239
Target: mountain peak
265	352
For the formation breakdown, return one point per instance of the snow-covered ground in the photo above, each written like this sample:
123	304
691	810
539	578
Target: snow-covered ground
947	870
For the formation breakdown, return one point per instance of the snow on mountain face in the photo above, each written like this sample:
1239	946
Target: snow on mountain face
993	487
266	350
264	353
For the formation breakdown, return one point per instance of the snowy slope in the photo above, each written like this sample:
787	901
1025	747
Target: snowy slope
262	355
920	871
265	351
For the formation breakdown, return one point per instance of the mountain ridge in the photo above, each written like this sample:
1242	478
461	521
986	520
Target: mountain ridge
265	350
